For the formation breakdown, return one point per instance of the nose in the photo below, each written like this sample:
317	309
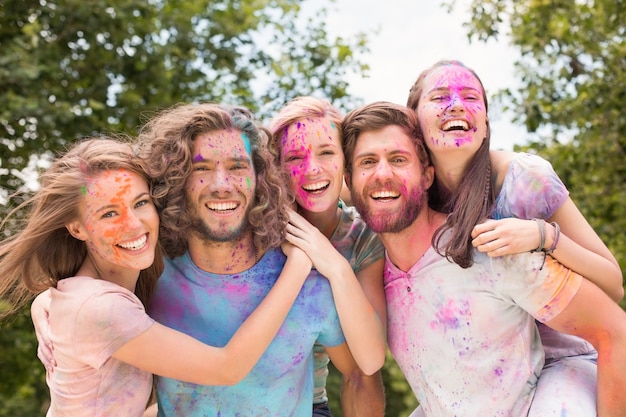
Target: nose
383	170
221	180
311	166
456	103
132	220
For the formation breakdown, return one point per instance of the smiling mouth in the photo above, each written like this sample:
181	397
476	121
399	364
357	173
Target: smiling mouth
386	195
454	125
135	244
317	187
222	207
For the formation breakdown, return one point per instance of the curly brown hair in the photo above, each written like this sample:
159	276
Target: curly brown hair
166	147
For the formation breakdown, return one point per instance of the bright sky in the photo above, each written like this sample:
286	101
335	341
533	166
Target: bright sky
414	34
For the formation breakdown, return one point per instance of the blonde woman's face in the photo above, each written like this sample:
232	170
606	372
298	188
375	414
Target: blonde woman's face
119	221
312	156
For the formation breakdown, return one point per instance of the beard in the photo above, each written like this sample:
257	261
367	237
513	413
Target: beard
391	221
223	234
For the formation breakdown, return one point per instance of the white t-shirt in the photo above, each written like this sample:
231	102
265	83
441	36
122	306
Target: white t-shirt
466	339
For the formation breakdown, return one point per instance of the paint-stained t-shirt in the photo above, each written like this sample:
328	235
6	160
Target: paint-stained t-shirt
211	307
466	339
532	189
90	319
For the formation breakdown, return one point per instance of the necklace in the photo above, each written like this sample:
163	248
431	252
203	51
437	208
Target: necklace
256	253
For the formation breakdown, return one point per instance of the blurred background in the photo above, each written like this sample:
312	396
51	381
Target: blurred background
554	73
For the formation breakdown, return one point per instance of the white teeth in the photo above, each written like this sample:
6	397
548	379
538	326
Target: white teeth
222	206
135	244
385	194
455	123
316	186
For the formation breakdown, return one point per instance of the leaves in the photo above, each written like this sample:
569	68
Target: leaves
572	87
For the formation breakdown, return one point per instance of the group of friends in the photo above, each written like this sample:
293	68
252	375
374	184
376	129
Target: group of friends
232	261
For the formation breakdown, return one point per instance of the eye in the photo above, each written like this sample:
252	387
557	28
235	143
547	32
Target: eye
238	167
109	214
293	158
199	168
142	203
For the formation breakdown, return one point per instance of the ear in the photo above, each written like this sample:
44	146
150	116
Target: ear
76	229
429	176
347	179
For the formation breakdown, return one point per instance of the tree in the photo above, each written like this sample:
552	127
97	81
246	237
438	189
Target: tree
68	72
74	68
572	74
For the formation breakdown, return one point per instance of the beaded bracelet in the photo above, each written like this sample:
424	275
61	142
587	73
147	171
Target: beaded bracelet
541	224
557	234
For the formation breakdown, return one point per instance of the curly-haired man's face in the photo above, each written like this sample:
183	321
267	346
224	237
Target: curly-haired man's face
220	190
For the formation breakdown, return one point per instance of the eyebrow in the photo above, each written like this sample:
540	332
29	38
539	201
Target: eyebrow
444	89
238	159
391	153
111	206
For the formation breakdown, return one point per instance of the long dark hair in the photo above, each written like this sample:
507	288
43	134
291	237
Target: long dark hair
474	197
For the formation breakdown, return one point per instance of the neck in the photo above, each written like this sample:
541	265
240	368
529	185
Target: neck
450	169
405	248
124	277
224	257
325	221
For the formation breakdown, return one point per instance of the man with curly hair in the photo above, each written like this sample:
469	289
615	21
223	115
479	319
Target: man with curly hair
223	209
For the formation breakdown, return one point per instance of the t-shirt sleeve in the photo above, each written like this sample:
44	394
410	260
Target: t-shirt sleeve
543	289
107	321
531	189
369	249
331	334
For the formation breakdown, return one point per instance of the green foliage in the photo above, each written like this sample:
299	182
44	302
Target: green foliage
75	68
23	390
572	86
67	72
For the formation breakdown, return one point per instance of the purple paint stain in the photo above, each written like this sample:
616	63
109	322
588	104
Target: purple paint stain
498	371
198	157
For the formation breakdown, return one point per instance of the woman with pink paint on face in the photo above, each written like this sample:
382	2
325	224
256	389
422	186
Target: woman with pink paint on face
91	240
533	212
306	140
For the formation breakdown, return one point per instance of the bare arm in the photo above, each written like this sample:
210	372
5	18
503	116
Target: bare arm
167	352
592	316
361	404
362	395
361	325
39	312
579	247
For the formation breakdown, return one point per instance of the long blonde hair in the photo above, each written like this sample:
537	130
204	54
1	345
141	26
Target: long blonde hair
42	251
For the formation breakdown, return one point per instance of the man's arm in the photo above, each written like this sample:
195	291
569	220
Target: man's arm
361	395
593	316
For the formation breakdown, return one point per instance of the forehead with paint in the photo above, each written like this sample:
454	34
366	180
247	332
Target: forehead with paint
306	134
221	146
109	187
454	78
